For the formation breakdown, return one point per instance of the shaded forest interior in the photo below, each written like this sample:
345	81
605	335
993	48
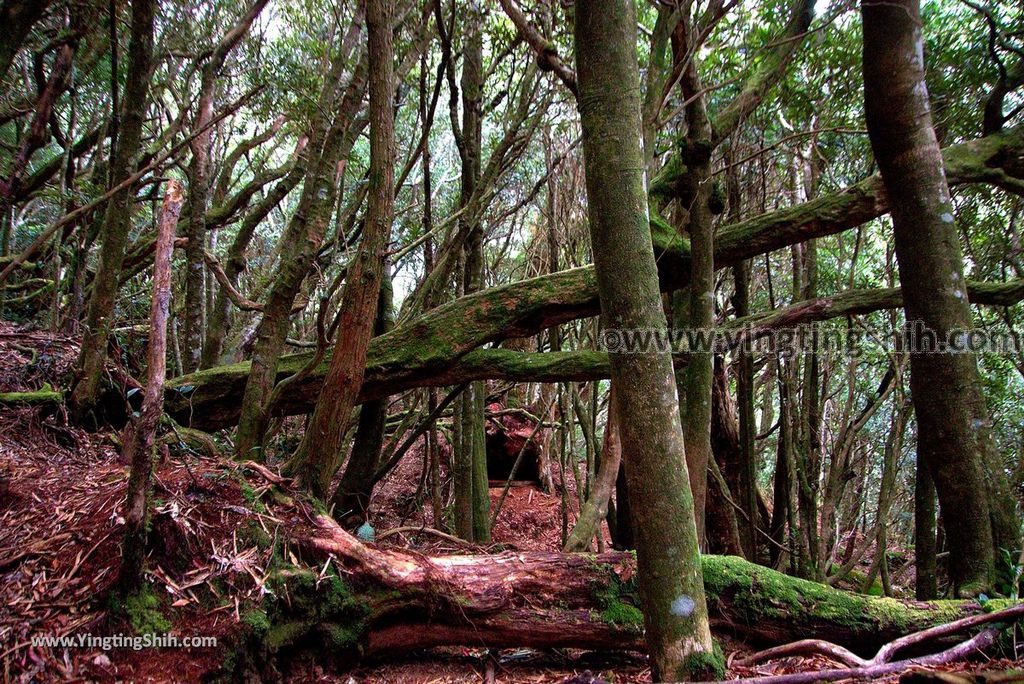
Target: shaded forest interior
505	340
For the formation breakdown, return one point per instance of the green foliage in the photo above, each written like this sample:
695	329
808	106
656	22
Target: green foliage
258	621
251	534
322	609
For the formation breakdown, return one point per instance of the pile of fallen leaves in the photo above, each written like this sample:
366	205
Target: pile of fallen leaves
61	526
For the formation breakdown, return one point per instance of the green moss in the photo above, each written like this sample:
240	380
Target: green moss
339	598
252	497
258	621
662	186
230	663
46	395
622	614
304	604
616	599
756	592
341	636
142	610
285	634
703	667
251	534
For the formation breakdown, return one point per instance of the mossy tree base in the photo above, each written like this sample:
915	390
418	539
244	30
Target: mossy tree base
393	601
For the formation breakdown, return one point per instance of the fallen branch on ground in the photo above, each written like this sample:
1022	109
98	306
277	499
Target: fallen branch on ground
886	652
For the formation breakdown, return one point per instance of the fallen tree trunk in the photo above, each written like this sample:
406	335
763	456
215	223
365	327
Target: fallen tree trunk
417	352
382	601
439	348
40	397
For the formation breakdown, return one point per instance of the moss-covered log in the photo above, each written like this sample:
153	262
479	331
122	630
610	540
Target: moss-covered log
430	345
41	397
386	601
439	348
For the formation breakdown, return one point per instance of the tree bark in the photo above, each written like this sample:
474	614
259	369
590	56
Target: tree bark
951	414
671	589
925	580
352	496
17	18
695	205
472	501
301	240
117	216
438	348
595	508
199	191
316	459
141	433
219	320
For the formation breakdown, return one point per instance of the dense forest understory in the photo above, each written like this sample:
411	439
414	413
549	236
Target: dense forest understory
493	340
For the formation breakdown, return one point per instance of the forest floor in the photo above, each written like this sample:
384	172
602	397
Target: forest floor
215	526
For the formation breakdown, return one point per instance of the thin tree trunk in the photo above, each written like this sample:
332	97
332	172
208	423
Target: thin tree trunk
315	461
925	582
300	241
695	203
670	578
352	496
472	447
748	428
139	440
199	189
117	217
431	444
595	508
219	318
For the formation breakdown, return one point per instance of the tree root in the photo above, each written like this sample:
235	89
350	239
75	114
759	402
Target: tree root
886	653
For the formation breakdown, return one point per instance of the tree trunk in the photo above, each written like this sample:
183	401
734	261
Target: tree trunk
219	318
17	18
671	589
439	348
595	508
315	461
352	496
695	204
199	189
117	217
748	428
951	414
925	582
139	440
389	601
470	452
300	240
